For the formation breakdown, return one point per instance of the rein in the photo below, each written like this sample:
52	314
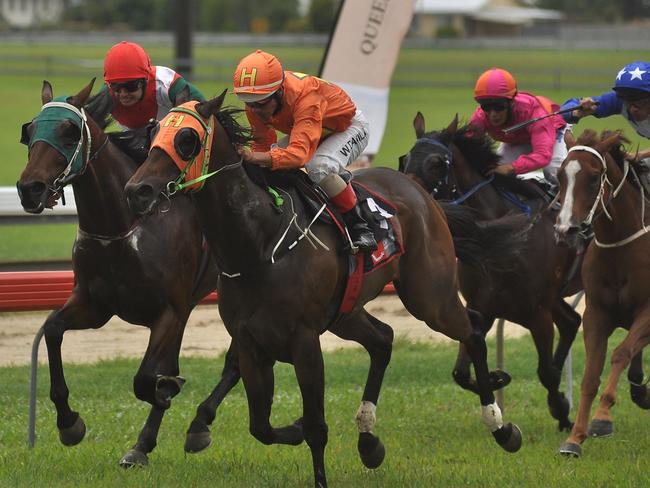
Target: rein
604	180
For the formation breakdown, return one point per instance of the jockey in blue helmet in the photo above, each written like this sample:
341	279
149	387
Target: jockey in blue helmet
630	98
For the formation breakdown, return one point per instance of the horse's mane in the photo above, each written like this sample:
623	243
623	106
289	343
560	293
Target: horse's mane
477	149
99	107
590	137
237	134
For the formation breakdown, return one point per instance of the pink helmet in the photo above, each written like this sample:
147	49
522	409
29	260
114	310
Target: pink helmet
495	83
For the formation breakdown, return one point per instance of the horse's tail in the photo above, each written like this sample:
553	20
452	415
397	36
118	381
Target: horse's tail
487	244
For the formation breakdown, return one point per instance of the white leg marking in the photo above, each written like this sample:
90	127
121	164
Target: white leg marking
366	417
564	218
492	416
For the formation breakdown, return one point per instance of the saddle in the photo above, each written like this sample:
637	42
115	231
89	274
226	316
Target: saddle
376	210
529	193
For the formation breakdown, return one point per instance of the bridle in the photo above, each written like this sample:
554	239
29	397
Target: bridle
614	191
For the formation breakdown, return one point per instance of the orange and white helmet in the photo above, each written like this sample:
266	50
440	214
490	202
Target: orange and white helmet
495	83
258	76
126	61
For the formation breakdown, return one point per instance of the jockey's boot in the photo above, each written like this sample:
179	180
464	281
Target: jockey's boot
343	197
360	233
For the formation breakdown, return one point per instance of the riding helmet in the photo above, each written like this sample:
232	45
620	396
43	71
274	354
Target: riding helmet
258	76
495	83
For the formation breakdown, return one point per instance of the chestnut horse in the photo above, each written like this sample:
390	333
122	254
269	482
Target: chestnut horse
149	273
283	277
599	189
527	288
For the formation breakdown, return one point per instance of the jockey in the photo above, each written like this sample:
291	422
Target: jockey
630	98
535	151
140	91
325	131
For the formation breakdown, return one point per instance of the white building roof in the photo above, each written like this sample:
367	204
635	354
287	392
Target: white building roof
446	7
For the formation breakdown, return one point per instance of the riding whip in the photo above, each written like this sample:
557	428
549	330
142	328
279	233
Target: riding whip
526	123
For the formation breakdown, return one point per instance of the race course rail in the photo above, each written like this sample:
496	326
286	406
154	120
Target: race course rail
47	290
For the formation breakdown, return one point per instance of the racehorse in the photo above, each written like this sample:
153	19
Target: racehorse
525	289
599	189
284	275
148	272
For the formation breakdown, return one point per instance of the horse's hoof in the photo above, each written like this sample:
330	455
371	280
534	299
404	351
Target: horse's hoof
134	458
499	379
639	394
196	442
508	437
569	449
73	435
600	428
371	450
560	411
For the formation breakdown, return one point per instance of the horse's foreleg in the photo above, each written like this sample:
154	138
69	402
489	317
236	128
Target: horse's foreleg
308	364
461	372
637	338
76	314
638	389
541	328
257	374
567	321
157	382
377	338
596	332
198	433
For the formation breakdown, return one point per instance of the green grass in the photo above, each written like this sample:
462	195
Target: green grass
431	429
444	76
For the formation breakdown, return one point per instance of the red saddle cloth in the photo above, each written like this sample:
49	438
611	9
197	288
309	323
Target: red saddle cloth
379	212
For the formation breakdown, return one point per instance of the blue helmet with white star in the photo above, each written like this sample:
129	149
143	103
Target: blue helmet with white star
634	77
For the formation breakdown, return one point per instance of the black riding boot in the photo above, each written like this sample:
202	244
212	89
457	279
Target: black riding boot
361	235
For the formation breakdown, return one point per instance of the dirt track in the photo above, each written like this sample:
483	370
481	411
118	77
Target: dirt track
205	335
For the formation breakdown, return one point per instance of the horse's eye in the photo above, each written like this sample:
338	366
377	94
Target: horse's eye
187	143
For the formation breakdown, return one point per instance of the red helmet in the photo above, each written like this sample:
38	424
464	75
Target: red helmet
126	61
495	83
259	75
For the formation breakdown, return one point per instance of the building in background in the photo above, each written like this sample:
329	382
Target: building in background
477	18
30	13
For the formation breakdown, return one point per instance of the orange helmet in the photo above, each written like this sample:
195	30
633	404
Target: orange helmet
126	61
258	76
495	83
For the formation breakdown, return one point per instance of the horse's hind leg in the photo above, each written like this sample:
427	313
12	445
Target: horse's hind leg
76	314
638	389
446	314
377	338
157	381
198	434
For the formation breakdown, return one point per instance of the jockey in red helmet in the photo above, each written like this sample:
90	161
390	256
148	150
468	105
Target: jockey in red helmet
325	131
140	91
536	150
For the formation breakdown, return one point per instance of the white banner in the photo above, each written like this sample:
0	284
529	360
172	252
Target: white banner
362	55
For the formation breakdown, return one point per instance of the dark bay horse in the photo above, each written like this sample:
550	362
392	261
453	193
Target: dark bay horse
276	308
528	287
147	272
599	189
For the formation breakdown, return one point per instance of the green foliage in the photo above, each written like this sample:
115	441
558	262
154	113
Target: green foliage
321	14
430	427
142	15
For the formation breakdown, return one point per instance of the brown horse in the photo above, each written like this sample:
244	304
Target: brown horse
276	308
149	273
524	288
599	188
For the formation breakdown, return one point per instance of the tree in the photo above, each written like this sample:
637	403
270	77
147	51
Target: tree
321	14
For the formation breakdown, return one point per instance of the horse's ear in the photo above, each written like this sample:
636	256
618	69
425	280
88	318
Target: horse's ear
418	125
80	98
604	146
46	92
401	165
211	107
453	126
183	96
569	140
